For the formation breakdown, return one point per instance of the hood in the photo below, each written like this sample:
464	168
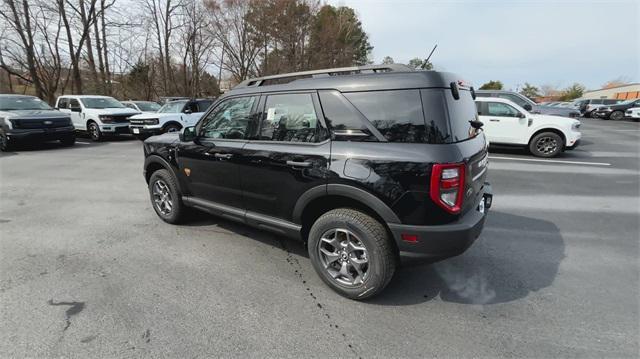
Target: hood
113	111
150	115
558	120
33	114
166	138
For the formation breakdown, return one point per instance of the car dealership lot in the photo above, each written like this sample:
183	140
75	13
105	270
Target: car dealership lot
88	270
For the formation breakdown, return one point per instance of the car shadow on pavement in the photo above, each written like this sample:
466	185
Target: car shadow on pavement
514	257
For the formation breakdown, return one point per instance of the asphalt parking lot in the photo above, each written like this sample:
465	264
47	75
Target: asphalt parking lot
87	270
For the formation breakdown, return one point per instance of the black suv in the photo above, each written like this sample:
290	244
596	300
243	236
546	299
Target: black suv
616	112
367	165
28	119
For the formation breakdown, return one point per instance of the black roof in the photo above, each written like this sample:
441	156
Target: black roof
360	82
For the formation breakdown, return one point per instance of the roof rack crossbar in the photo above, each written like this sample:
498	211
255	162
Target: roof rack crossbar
259	81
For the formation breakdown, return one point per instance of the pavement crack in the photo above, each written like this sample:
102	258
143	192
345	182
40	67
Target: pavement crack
74	308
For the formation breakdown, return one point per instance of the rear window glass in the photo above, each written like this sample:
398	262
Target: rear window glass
397	114
461	113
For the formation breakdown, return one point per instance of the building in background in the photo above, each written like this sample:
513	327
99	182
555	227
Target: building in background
624	92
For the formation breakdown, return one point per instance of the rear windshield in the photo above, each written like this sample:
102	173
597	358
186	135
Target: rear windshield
415	116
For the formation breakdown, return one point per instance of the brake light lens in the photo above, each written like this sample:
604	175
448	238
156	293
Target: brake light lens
447	186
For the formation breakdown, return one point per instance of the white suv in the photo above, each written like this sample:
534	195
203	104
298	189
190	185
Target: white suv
509	124
98	115
171	117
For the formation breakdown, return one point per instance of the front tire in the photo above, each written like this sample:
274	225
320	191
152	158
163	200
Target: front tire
172	128
352	253
94	132
5	144
546	144
616	115
165	197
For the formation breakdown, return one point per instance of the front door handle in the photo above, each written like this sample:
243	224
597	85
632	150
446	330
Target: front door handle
222	156
298	164
494	120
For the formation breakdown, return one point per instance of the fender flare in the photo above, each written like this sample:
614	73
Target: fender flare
357	194
172	122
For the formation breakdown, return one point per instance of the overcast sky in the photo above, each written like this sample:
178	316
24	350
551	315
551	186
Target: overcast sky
540	42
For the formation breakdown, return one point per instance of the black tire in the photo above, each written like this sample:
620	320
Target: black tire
176	213
616	115
171	128
546	144
5	144
94	131
381	259
68	141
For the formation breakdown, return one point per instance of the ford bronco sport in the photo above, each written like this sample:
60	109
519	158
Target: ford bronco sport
367	165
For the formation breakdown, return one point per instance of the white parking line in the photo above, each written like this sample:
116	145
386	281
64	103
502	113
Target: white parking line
82	143
552	161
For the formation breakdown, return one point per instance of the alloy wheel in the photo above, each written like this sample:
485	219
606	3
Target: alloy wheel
344	256
94	131
162	197
547	145
616	115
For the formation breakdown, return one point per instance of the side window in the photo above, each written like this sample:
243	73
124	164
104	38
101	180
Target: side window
290	118
74	103
130	105
203	106
499	109
596	102
513	98
343	119
191	106
63	103
397	114
479	108
230	119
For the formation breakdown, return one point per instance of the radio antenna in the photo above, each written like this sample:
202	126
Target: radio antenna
431	53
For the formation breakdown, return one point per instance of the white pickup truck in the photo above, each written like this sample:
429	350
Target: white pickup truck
171	117
506	123
98	115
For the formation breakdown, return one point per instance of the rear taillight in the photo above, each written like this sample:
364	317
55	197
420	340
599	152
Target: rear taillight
447	186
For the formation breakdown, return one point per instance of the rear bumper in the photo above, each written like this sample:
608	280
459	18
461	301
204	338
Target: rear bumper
41	134
442	241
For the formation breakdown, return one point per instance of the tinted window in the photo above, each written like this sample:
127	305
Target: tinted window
63	103
499	109
230	119
596	102
461	113
290	118
203	106
74	103
172	107
397	115
343	119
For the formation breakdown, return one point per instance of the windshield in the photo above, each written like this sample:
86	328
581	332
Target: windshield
101	102
148	106
172	107
22	103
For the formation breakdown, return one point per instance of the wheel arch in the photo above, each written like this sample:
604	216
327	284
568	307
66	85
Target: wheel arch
170	123
557	131
318	200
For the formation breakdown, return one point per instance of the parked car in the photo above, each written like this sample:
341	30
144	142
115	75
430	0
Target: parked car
171	117
98	115
142	106
506	123
587	107
527	104
29	119
616	112
633	113
365	168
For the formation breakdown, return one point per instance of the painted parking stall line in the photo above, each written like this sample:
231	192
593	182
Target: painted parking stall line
550	161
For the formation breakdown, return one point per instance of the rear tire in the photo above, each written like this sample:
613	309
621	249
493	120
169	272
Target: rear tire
165	197
546	144
360	262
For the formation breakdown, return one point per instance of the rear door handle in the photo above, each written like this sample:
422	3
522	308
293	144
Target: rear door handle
298	164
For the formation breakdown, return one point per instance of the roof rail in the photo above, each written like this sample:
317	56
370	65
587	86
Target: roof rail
289	77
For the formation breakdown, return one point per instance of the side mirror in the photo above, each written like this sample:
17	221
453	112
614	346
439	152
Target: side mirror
528	107
521	115
188	134
188	111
